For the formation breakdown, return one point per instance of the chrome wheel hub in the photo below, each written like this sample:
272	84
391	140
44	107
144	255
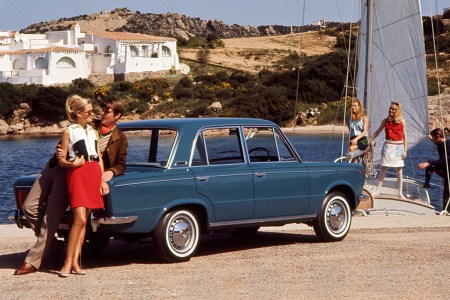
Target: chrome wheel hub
180	234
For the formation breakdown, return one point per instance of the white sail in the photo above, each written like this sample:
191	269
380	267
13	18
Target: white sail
397	69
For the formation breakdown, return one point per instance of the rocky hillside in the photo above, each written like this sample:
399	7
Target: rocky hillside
173	25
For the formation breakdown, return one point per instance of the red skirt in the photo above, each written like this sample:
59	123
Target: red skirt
83	185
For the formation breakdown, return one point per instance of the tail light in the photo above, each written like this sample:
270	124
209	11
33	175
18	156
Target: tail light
21	195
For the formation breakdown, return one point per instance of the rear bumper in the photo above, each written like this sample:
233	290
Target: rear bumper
19	219
96	221
111	221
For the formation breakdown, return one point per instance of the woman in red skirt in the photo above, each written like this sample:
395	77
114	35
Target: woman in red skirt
394	149
80	143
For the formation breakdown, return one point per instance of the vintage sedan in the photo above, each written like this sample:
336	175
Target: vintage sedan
185	177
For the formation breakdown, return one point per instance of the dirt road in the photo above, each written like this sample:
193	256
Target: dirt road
401	262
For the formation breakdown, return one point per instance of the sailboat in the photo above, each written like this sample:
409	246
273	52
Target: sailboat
392	67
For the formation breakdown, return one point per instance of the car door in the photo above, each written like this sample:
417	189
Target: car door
280	179
222	175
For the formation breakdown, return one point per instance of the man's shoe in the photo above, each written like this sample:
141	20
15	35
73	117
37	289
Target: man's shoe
57	251
25	268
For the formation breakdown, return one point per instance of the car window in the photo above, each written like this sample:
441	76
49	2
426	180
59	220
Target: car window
218	146
150	146
266	145
284	151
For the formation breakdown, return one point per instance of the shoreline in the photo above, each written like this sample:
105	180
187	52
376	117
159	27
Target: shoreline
318	129
310	129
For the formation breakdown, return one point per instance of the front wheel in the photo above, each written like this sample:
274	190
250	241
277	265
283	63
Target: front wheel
334	219
176	237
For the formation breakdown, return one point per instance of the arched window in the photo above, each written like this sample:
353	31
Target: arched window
166	51
65	62
134	51
41	63
19	64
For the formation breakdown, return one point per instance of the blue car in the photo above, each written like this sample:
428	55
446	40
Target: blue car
185	177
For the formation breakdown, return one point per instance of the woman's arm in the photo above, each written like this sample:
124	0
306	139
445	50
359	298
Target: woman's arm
378	131
62	159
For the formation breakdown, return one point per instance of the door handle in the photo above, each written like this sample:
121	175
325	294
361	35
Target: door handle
202	178
260	174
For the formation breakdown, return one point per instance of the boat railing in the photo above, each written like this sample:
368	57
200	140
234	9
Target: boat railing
412	188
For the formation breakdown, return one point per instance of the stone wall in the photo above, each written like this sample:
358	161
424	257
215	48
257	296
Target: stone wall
100	79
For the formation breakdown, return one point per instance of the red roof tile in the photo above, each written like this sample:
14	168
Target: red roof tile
132	37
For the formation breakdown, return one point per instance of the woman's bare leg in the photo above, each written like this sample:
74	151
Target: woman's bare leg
79	224
400	182
380	181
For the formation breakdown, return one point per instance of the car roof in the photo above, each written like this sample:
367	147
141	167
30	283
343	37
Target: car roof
193	123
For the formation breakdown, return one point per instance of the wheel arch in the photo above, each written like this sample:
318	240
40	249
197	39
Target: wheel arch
197	208
348	192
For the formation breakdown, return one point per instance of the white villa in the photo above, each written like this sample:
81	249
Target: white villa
62	56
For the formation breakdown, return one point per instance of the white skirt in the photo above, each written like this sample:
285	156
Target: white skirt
391	154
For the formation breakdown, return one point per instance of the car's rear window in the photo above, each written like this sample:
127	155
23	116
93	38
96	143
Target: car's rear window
218	147
150	146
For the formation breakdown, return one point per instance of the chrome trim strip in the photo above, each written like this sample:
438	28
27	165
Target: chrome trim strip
289	219
228	175
152	181
363	197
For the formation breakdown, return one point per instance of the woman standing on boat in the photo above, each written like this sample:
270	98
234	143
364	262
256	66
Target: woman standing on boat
359	126
394	149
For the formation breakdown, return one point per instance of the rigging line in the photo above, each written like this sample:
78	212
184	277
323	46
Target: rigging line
345	89
299	66
348	50
439	95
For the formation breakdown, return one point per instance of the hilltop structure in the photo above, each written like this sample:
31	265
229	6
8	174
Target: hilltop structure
62	56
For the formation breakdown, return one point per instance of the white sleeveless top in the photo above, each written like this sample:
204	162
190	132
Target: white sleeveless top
82	142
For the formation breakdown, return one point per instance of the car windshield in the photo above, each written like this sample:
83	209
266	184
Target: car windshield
150	146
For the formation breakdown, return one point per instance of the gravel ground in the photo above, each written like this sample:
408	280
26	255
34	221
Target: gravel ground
381	258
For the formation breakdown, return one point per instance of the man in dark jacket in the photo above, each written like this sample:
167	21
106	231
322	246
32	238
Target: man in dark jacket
49	191
439	166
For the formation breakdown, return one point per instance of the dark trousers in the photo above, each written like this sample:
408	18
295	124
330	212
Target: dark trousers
442	172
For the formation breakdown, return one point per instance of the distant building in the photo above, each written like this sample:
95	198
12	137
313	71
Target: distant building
321	23
62	56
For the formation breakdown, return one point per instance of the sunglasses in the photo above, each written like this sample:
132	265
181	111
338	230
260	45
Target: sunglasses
395	103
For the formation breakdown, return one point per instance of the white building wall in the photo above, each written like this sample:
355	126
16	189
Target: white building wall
65	74
59	37
95	60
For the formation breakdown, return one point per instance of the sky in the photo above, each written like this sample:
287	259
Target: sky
18	14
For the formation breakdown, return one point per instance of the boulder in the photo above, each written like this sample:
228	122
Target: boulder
4	127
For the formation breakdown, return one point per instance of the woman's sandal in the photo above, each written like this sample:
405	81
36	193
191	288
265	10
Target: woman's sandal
78	271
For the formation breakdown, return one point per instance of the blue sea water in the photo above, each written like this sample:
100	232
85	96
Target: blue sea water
21	156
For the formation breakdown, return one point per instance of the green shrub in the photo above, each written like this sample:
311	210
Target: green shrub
82	87
49	103
180	92
10	96
122	86
136	106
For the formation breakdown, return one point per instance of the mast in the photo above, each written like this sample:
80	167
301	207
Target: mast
368	63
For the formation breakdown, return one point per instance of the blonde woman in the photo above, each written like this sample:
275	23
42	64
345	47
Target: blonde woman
394	149
79	144
359	127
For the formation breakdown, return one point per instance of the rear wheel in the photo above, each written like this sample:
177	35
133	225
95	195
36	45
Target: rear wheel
176	237
334	219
